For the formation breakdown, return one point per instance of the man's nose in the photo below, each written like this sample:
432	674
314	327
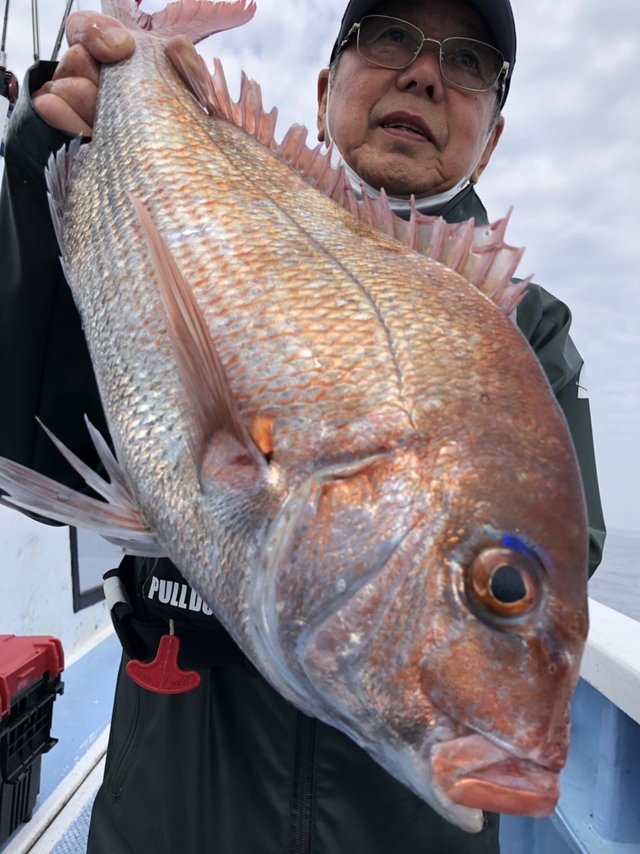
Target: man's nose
423	75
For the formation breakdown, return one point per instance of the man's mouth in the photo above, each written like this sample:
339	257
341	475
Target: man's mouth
407	125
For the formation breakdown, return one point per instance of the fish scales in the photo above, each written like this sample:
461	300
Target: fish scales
343	359
406	463
240	231
344	342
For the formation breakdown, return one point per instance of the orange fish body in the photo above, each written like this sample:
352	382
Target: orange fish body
349	451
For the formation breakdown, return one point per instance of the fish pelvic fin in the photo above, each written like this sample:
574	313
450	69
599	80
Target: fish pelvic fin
222	446
195	19
479	254
117	519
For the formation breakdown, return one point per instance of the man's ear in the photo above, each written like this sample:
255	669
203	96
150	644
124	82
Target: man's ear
495	135
323	91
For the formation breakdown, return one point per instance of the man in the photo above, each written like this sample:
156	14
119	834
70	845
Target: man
230	767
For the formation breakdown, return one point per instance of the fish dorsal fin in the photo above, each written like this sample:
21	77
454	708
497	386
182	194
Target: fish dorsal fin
195	19
222	446
212	93
477	253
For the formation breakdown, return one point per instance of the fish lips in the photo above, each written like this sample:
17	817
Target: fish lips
472	771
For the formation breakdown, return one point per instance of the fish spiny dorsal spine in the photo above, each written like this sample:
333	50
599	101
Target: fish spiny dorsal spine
478	254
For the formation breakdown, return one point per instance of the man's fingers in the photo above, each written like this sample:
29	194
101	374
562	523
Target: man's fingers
78	62
105	38
80	94
57	112
68	101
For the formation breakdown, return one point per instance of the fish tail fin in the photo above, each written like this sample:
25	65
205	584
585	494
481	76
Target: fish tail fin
195	19
117	519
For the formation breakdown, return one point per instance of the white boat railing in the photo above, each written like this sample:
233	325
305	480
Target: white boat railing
611	662
599	808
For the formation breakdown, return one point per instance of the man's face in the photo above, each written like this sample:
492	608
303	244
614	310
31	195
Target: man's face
368	103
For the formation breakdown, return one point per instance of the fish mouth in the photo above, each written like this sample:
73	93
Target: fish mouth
472	771
409	123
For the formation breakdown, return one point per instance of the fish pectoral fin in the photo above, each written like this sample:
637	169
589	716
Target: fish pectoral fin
117	519
220	438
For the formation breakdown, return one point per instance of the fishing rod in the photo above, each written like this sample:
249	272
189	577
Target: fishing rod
8	81
35	30
65	15
3	55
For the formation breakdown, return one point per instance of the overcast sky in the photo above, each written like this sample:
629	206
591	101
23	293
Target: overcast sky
567	162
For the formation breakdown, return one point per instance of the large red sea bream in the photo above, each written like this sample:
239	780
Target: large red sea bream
345	446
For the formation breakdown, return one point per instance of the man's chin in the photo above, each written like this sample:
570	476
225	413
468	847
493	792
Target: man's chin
402	177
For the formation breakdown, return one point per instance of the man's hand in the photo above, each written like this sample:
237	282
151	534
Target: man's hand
68	100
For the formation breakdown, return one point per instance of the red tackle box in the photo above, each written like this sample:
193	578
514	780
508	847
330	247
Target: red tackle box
30	669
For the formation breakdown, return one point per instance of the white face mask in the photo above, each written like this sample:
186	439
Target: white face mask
400	206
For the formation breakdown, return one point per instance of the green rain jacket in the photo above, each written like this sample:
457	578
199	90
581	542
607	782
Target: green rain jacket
228	768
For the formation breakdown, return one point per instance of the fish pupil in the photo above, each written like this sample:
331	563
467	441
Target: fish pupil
507	584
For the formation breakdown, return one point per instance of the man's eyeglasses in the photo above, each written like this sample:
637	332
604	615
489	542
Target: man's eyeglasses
394	43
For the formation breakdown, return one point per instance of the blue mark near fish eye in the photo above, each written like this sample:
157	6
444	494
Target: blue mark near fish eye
512	541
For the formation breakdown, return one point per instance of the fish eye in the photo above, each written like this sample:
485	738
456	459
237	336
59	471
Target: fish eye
504	582
507	584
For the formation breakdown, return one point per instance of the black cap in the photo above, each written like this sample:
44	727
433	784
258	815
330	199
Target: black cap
496	13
